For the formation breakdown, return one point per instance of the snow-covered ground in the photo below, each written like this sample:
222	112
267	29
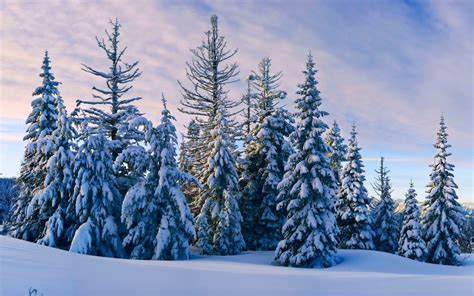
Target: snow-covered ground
55	272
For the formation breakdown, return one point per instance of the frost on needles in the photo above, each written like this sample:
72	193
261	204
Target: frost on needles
308	188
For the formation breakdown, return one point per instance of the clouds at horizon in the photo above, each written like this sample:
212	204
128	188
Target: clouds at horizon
390	66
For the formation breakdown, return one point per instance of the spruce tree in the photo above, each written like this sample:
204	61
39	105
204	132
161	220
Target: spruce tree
48	206
110	112
190	156
387	231
266	153
339	150
210	73
411	244
96	199
158	220
42	121
443	215
353	216
218	224
308	188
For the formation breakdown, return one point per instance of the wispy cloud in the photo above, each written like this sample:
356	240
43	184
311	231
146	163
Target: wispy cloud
390	66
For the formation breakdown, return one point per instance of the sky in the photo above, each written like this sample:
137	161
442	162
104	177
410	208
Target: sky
390	67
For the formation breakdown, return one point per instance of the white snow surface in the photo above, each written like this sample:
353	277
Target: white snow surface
56	272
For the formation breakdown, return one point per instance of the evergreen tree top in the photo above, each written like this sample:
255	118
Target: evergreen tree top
120	73
310	101
49	85
382	185
442	138
267	85
441	175
353	152
208	72
411	194
334	137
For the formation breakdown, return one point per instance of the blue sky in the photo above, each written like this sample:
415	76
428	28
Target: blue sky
391	67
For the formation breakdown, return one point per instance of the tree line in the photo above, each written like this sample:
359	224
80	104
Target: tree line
250	175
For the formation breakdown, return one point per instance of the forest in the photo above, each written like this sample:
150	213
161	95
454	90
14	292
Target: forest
105	180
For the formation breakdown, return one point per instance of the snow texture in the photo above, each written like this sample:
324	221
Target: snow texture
361	273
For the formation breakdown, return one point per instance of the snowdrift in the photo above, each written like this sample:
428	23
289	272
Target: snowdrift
56	272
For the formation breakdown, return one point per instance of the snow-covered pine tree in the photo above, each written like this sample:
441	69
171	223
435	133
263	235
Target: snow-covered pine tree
308	188
209	74
443	215
42	121
218	224
48	206
353	216
339	150
190	155
109	112
176	228
411	244
96	199
158	220
266	152
387	231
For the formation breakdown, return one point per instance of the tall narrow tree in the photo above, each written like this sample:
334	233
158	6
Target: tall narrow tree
411	244
353	216
308	188
42	121
218	224
443	215
109	112
48	207
209	74
266	153
387	231
339	150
